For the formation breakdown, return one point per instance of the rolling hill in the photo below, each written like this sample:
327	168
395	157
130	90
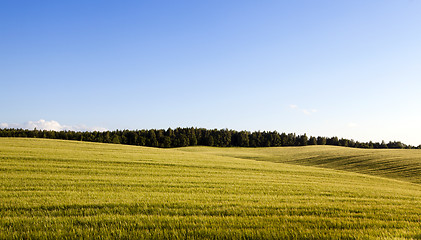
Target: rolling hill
401	164
70	189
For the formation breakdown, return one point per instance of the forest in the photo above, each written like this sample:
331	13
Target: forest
183	137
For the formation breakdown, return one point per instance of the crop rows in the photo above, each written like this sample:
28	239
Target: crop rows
65	189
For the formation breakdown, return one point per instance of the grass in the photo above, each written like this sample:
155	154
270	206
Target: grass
67	189
401	164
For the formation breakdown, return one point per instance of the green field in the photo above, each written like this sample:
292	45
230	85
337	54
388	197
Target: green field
68	189
401	164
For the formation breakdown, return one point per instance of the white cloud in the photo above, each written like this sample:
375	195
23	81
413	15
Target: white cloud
352	125
50	125
302	110
305	111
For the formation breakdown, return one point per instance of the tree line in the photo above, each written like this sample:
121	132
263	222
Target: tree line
183	137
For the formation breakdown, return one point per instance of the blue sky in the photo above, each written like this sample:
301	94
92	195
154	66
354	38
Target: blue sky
331	68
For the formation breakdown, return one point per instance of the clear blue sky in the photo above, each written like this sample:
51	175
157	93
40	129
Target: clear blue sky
332	68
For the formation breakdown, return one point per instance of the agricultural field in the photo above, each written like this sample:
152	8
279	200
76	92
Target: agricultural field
73	190
402	164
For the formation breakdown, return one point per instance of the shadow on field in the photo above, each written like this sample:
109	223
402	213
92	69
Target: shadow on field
416	236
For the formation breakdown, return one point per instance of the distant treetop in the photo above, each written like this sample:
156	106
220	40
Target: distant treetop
183	137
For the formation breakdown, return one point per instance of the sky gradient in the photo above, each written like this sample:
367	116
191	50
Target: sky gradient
350	69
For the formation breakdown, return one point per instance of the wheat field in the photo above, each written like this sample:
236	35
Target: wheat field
67	189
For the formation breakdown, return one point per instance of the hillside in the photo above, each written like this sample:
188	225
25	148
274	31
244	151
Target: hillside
69	189
401	164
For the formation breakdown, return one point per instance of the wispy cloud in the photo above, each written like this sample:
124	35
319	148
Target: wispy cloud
50	125
303	110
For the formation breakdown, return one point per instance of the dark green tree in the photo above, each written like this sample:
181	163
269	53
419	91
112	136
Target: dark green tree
116	139
153	142
303	140
312	141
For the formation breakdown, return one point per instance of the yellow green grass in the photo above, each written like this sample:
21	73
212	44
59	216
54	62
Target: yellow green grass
402	164
66	189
